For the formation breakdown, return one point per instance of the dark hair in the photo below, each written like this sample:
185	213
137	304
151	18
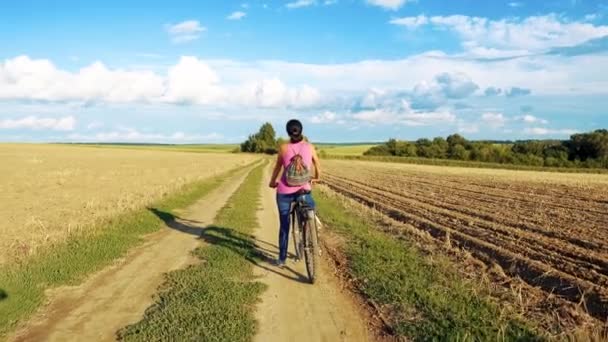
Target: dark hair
294	130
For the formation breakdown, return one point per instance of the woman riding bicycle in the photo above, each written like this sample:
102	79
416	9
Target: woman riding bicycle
304	152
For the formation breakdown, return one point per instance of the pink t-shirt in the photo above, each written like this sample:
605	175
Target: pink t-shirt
305	150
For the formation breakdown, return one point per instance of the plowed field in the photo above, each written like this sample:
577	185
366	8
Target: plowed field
551	230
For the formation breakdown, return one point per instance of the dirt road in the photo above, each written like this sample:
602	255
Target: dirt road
118	295
291	308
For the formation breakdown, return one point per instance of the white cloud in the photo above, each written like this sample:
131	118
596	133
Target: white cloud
94	125
301	3
467	127
189	81
238	15
494	120
133	135
404	115
23	78
410	22
515	4
531	119
388	4
273	93
329	2
548	131
192	81
67	123
592	17
325	117
530	34
185	31
428	81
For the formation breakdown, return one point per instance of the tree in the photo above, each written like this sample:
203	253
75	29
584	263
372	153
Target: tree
592	145
458	152
456	139
264	141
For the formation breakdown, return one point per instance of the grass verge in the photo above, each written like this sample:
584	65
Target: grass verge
214	299
23	285
424	298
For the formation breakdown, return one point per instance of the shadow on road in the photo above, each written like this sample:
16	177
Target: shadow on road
3	295
262	257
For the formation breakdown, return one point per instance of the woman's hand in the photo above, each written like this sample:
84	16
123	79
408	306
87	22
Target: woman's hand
273	184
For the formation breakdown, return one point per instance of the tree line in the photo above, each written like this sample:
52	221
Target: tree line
588	150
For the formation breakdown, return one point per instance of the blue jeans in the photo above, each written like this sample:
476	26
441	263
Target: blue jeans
284	204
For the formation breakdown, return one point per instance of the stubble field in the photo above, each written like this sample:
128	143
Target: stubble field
548	229
49	192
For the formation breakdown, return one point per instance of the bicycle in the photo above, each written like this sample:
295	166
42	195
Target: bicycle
305	234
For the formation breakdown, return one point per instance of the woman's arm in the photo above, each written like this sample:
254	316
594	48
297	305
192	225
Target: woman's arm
275	173
317	164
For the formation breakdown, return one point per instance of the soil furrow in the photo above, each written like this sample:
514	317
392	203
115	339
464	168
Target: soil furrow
549	252
532	271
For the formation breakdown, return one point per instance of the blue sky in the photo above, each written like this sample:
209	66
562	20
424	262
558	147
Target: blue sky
351	70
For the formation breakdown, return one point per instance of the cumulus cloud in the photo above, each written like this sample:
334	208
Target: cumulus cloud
238	15
273	93
456	85
529	34
185	31
531	119
410	22
467	127
300	3
492	91
67	123
548	131
94	125
443	87
388	4
192	81
134	135
189	81
22	78
516	91
324	118
404	115
494	120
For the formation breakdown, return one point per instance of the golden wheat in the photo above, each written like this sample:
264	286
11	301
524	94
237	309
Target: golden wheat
48	192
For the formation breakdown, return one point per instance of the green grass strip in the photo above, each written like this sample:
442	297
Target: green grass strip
22	286
429	301
213	300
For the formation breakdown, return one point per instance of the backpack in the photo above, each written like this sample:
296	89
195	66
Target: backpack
297	173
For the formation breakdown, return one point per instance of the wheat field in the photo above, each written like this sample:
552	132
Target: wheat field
49	192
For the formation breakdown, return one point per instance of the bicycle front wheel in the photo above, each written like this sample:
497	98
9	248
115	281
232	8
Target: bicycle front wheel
311	246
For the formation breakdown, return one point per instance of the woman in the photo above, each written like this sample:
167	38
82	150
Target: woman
287	194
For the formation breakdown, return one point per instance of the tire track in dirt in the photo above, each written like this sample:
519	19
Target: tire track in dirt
118	295
292	309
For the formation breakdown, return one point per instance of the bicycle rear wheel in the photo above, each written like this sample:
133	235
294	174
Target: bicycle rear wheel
311	246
